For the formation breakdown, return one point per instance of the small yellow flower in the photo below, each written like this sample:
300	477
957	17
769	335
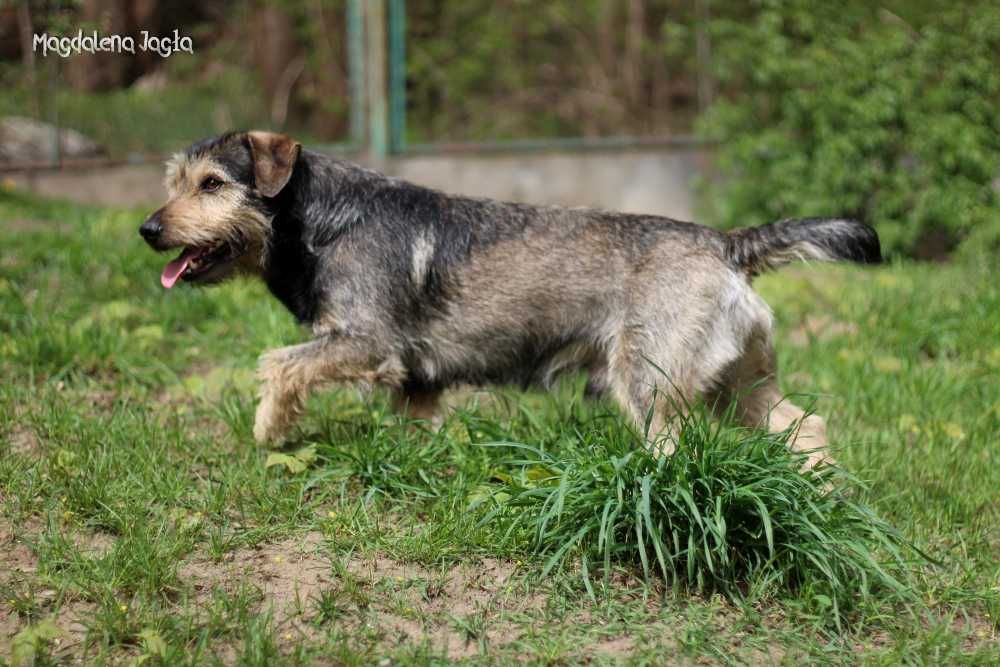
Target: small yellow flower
288	636
888	279
909	424
331	514
123	608
953	430
850	354
888	364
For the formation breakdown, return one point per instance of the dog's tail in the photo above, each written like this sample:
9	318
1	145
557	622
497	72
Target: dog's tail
758	249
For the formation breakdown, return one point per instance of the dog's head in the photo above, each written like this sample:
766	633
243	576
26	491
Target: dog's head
218	207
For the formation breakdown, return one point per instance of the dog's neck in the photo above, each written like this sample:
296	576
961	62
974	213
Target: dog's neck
316	207
290	261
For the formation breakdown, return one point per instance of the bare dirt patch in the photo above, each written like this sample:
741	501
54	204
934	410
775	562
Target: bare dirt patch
454	609
17	563
16	557
23	441
93	545
615	647
401	602
976	629
288	573
460	590
18	569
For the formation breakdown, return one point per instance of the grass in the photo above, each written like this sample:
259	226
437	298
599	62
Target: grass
728	512
139	522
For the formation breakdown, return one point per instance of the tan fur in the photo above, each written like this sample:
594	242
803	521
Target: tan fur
751	381
274	157
287	376
193	219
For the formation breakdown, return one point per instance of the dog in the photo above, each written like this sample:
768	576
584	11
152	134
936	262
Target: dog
417	290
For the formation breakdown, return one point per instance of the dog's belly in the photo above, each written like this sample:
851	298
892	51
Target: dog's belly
525	362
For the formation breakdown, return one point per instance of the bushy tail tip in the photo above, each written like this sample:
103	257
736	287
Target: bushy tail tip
758	249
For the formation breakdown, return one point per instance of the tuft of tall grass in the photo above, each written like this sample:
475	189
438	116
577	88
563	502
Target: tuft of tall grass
729	511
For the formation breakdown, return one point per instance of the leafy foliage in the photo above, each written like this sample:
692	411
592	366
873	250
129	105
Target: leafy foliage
480	69
846	109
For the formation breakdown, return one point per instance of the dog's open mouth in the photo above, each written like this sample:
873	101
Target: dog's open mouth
195	263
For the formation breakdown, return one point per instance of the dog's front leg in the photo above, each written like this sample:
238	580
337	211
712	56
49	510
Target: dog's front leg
288	374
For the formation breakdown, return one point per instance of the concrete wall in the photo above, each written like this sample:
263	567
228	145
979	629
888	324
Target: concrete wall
128	185
655	181
638	181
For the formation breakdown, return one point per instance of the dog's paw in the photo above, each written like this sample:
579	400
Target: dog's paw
268	425
662	447
817	457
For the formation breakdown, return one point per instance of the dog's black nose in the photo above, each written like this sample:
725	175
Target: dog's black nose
152	227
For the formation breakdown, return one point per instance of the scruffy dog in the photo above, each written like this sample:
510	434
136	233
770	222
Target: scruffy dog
418	290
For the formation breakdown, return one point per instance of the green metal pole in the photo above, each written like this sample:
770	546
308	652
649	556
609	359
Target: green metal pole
356	71
377	104
397	76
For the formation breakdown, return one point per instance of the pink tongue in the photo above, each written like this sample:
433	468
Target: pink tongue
175	269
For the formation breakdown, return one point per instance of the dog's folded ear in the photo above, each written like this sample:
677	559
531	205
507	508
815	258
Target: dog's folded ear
274	157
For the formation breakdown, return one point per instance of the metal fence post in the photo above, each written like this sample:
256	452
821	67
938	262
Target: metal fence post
397	76
356	71
377	108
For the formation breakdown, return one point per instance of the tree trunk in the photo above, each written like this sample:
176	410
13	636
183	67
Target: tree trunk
275	47
635	36
26	33
100	71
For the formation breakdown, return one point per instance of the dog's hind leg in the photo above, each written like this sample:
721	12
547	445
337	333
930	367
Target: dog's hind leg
418	403
649	387
288	374
752	383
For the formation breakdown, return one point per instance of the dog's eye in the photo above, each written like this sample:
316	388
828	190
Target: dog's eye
211	184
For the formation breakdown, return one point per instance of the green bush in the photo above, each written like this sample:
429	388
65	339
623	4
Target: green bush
849	109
